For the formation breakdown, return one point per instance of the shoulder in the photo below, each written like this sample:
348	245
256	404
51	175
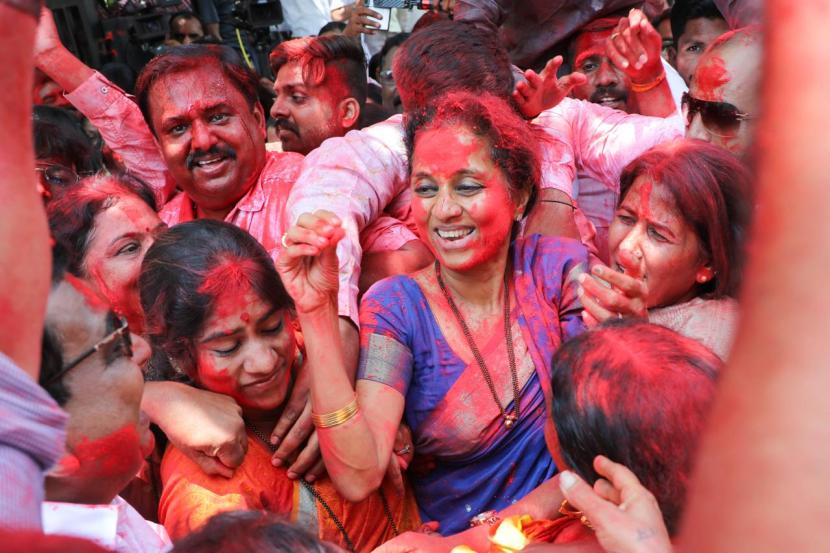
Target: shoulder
546	251
287	163
395	288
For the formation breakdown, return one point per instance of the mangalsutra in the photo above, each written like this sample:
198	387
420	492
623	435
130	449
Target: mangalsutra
509	418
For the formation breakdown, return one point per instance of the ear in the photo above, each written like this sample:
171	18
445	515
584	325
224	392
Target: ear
348	113
259	116
521	203
704	274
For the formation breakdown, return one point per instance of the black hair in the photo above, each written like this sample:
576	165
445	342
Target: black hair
72	214
684	11
183	272
639	394
121	74
394	41
373	113
58	135
51	352
332	26
452	55
189	57
254	531
318	55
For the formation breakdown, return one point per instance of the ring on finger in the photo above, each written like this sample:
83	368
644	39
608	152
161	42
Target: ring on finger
614	35
284	240
404	450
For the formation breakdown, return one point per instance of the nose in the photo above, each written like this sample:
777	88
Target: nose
695	129
446	206
630	253
607	75
261	359
279	108
141	350
201	137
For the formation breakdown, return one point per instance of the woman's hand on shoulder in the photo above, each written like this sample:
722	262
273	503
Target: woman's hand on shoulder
308	263
606	294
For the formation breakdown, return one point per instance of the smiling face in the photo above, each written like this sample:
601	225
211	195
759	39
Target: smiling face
650	240
305	115
462	202
122	234
606	84
212	141
246	350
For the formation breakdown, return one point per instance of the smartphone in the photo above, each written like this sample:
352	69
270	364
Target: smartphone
384	9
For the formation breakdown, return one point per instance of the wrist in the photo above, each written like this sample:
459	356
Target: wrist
649	84
319	312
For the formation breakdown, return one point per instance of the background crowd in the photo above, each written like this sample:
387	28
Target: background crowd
468	277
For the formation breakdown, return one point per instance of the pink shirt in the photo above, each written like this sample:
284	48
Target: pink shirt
261	212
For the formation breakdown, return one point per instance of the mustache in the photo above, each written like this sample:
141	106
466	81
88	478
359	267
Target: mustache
283	123
197	155
608	91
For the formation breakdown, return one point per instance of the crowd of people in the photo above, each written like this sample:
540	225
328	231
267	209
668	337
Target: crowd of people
468	288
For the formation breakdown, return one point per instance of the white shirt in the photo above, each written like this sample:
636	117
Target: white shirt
116	526
306	17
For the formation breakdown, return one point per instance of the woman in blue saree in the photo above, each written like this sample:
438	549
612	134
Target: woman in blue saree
461	350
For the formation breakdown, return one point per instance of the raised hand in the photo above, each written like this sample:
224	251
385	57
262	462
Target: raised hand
624	514
544	90
635	48
46	37
362	20
308	263
606	293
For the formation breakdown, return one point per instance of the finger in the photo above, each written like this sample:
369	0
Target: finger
588	319
367	21
302	235
551	67
316	471
615	55
584	498
307	458
628	285
233	453
637	53
619	475
534	80
522	89
609	298
295	438
291	412
621	39
607	491
300	250
211	466
371	13
394	475
596	311
568	82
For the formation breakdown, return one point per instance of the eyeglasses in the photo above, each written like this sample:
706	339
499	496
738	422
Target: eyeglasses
57	175
719	118
122	332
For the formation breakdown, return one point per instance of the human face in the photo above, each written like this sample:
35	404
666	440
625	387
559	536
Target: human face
246	350
650	240
186	30
212	141
390	99
606	84
697	36
461	202
122	233
727	75
107	437
305	115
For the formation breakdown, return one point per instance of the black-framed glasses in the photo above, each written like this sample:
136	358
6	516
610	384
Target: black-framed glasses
57	175
121	332
386	77
719	118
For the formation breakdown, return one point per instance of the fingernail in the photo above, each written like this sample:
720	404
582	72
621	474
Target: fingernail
274	440
566	480
310	478
624	63
276	462
597	269
291	475
642	59
580	291
581	278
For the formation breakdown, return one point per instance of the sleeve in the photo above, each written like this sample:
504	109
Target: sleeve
385	234
122	126
355	177
570	306
32	438
605	140
385	347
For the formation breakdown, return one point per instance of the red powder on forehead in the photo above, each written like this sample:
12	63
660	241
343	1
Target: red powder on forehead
645	198
710	76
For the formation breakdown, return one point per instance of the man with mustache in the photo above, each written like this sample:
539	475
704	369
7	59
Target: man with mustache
320	90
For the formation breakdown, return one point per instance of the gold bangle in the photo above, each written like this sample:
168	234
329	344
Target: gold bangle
335	418
648	86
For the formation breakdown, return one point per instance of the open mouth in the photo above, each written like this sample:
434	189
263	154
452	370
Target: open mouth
610	101
263	382
453	235
209	161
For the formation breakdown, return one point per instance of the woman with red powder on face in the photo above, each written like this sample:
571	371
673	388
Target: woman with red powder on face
676	244
459	351
215	306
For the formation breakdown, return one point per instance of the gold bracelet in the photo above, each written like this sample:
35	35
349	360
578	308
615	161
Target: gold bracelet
335	418
648	86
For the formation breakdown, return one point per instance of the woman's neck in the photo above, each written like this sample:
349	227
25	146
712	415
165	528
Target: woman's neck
481	285
262	421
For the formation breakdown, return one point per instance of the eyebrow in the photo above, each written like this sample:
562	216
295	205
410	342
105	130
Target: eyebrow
224	334
461	173
161	226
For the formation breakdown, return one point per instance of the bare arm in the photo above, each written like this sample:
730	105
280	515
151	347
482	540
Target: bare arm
765	453
553	215
24	235
412	256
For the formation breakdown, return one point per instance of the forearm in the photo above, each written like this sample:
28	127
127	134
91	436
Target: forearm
63	67
349	450
553	215
656	102
24	279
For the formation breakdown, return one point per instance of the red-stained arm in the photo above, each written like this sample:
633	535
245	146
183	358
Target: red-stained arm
766	451
24	234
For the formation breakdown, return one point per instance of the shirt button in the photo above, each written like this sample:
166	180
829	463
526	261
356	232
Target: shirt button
105	89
